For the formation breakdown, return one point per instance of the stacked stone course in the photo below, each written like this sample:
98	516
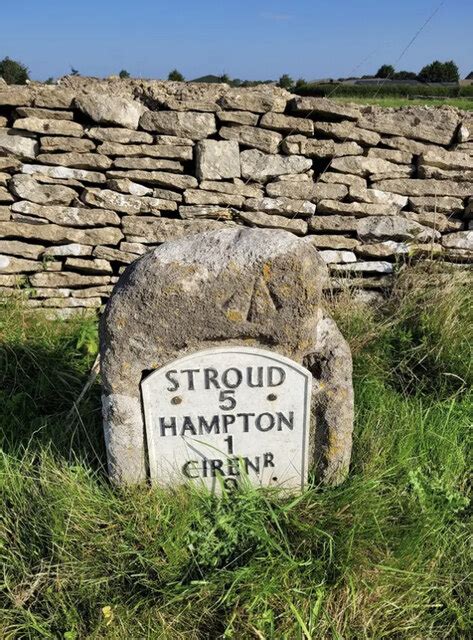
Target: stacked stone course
95	173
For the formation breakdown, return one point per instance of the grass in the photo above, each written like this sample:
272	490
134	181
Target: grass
386	555
466	104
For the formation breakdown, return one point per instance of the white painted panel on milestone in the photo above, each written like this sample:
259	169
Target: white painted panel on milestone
226	416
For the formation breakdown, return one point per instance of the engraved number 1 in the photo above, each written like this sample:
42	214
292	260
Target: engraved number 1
229	441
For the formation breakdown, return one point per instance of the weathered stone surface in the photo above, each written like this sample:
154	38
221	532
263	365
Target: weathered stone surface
410	146
76	160
73	249
3	121
347	130
21	249
402	171
114	255
357	209
460	175
436	125
11	264
133	188
50	127
230	294
56	234
68	216
337	257
262	139
311	106
261	167
343	178
111	109
174	141
18	144
284	206
56	143
415	187
257	102
348	282
14	96
444	204
160	178
133	247
434	219
167	194
198	196
332	242
375	196
217	159
238	117
5	196
189	124
173	152
364	267
151	230
214	212
121	136
27	188
64	304
307	190
107	199
446	159
460	240
93	292
379	228
66	279
53	97
333	223
281	122
364	166
236	188
386	249
391	155
51	292
148	164
271	221
9	163
90	265
44	114
62	173
319	149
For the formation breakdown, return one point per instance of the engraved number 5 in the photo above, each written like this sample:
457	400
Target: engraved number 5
227	400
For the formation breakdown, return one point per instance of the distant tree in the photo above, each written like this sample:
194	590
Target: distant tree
123	74
385	71
50	80
176	76
13	72
438	71
404	75
74	72
225	78
285	82
300	82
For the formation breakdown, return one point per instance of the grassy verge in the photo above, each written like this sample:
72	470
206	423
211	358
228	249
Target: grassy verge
383	556
466	104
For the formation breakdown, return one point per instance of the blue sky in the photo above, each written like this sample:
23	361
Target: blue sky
253	39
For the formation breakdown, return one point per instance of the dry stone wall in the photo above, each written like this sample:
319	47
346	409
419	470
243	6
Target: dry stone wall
95	173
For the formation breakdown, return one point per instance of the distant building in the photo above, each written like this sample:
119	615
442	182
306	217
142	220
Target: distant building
467	81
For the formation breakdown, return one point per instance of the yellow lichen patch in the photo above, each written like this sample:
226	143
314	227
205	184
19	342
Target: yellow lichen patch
266	271
234	315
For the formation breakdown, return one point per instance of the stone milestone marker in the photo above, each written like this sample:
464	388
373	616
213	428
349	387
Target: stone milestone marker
220	366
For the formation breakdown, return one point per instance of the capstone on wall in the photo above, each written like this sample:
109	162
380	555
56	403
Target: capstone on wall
95	173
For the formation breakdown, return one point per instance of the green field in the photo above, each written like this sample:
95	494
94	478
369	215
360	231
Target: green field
465	104
385	556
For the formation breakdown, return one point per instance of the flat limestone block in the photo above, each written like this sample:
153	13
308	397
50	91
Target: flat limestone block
229	289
